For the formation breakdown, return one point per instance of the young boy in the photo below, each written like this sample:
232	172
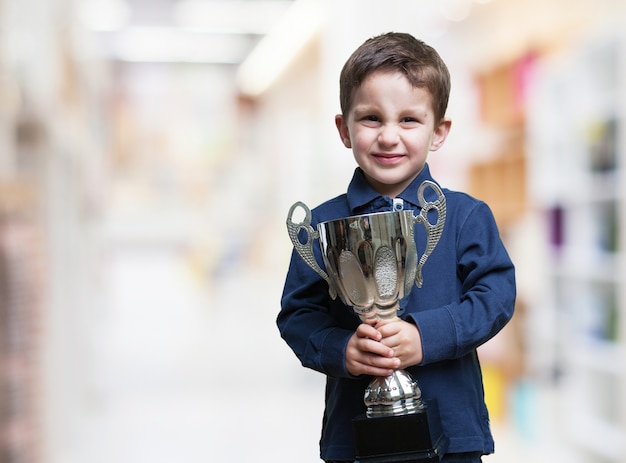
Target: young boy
394	94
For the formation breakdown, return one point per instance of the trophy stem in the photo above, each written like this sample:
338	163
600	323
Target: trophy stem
398	393
379	313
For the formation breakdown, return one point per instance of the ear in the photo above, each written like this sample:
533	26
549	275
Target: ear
344	133
440	134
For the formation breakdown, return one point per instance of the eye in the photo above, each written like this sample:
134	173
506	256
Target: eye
370	120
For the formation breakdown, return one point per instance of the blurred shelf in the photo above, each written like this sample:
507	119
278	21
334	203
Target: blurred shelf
598	356
576	147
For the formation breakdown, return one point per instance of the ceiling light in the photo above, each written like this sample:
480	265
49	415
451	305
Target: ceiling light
280	46
235	17
169	44
103	15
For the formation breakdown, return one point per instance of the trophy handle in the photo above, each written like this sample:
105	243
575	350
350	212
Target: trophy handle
305	250
433	231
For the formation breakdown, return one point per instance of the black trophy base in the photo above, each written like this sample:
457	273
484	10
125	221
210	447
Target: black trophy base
411	438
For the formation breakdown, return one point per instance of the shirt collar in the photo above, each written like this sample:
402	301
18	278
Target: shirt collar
362	198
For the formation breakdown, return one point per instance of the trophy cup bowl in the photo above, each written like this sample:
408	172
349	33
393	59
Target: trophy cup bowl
372	262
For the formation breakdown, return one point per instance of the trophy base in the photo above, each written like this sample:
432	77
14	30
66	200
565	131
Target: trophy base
410	438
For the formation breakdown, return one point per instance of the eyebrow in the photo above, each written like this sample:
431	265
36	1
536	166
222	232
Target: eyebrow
422	109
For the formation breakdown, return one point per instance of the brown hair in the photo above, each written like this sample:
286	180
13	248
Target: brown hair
395	51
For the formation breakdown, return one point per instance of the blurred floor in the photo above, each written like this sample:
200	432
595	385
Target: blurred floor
189	373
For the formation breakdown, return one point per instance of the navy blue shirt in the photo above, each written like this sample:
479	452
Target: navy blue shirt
467	297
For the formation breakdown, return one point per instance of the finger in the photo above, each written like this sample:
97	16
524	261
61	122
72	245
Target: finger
377	348
371	321
378	366
392	343
375	371
365	330
388	363
389	329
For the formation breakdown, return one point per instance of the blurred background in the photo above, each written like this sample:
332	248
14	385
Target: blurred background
149	153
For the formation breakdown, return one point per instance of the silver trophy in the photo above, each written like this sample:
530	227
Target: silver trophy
372	263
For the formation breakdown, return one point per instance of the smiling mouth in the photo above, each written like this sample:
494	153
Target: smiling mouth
387	158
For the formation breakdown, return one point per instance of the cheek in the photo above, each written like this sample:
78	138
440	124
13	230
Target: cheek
360	145
362	139
421	142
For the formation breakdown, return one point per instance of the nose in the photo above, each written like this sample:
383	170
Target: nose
388	135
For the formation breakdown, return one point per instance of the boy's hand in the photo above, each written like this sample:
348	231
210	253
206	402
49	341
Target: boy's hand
405	340
366	355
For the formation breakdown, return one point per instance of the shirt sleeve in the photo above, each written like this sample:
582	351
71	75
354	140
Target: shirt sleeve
316	327
485	283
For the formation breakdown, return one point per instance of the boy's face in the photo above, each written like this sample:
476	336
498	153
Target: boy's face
391	128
